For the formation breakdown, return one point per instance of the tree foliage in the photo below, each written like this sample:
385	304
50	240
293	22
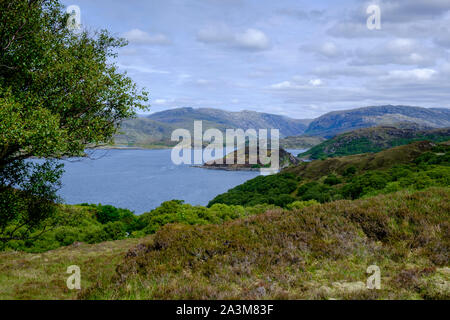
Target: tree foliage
59	92
285	189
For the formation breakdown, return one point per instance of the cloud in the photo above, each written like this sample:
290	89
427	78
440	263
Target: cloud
303	14
215	34
327	49
252	39
396	51
138	36
315	82
142	69
334	71
411	75
283	85
249	39
401	18
297	83
203	82
159	101
443	37
406	10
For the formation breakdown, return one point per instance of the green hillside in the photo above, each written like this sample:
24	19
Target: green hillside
415	166
270	238
372	140
318	252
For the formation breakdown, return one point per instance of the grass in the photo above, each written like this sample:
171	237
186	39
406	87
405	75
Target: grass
372	140
362	162
43	276
319	252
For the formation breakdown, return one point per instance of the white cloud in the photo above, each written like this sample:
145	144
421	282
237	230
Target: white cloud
298	83
396	51
334	71
138	36
252	39
315	82
415	74
160	101
142	69
249	39
327	49
283	85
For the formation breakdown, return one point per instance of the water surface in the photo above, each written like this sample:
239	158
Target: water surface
141	180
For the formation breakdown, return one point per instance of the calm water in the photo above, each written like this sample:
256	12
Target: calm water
141	180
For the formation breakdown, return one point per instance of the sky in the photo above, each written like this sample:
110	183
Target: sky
290	57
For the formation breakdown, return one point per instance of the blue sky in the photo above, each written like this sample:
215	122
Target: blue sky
291	57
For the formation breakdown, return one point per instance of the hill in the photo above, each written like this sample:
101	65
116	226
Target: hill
336	122
414	166
286	160
372	140
156	128
318	252
300	142
309	232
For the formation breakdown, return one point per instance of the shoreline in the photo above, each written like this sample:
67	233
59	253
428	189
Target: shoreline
131	148
225	168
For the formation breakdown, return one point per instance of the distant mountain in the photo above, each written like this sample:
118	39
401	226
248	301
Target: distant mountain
156	128
336	122
372	140
220	119
301	142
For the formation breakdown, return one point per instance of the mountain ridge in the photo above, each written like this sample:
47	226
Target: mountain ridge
155	130
332	123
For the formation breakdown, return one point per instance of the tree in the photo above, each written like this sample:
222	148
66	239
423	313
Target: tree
60	92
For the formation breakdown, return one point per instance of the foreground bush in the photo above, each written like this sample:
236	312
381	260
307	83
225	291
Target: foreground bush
321	251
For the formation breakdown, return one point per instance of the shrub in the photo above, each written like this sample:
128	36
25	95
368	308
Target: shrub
332	180
298	205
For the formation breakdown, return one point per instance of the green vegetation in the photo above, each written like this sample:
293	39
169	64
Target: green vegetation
318	252
71	224
273	189
428	168
97	223
372	140
254	249
31	276
60	91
